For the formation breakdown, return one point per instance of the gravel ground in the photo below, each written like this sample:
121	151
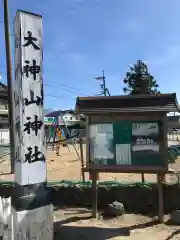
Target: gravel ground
67	166
77	224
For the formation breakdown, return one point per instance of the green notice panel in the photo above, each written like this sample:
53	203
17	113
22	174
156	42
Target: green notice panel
126	143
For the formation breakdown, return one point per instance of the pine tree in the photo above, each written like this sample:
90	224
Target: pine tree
139	80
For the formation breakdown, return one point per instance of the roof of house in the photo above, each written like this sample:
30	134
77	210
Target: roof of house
128	103
3	91
58	113
2	85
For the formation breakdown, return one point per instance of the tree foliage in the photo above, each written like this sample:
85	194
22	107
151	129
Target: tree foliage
139	81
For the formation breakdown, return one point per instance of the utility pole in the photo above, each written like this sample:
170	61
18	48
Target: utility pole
104	83
9	81
104	90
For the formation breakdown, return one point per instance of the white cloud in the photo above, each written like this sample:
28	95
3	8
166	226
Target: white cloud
75	58
131	29
172	53
62	44
131	26
79	1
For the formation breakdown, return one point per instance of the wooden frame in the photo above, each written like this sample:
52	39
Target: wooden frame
146	107
97	119
124	169
95	169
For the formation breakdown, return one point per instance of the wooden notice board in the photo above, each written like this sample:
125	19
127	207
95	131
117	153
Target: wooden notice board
127	144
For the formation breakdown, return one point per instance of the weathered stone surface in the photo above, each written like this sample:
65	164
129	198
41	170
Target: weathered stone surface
34	224
115	209
175	217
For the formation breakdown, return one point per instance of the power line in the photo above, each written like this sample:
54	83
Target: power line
71	89
54	96
50	95
68	86
67	90
11	34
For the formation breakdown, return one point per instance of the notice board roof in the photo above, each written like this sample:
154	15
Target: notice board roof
128	103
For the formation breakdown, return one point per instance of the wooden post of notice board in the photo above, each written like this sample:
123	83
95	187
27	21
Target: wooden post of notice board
160	197
94	194
82	159
142	177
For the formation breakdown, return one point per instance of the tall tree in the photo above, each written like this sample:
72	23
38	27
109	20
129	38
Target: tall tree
139	80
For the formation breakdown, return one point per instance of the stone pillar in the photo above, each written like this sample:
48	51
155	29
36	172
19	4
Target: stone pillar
32	211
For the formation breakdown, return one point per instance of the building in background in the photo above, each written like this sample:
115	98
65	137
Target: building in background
66	117
3	106
4	124
173	121
67	120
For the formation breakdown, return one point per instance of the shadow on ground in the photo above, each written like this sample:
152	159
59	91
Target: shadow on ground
93	233
173	234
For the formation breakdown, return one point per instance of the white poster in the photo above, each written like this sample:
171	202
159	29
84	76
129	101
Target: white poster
144	137
123	154
101	137
30	164
144	129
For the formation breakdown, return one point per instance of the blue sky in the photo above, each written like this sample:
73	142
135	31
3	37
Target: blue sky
82	37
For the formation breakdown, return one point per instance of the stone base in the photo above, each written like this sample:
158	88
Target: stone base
175	217
33	224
